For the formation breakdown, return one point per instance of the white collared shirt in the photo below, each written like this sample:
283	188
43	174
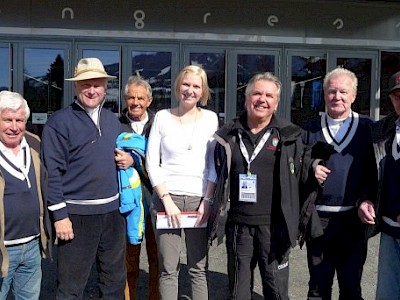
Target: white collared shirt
138	126
22	161
93	114
338	127
19	159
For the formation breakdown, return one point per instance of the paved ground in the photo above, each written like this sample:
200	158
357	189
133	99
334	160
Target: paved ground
218	277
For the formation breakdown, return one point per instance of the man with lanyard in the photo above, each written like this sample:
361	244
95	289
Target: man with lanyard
259	164
349	177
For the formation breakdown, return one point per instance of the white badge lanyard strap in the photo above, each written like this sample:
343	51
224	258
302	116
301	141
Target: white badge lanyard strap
256	150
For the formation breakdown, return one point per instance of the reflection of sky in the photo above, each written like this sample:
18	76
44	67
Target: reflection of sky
37	61
107	57
4	70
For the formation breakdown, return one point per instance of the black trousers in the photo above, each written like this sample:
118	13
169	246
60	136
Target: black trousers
245	245
100	239
342	249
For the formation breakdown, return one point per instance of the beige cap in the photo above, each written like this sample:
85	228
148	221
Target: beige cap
89	68
394	82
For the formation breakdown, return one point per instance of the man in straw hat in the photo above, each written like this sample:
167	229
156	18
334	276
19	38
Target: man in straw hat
78	144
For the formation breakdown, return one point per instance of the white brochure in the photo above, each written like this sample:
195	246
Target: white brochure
188	220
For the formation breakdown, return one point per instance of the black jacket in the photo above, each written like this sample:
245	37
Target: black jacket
126	123
383	134
292	169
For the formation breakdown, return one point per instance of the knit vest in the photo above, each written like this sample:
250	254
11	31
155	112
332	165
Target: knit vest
21	205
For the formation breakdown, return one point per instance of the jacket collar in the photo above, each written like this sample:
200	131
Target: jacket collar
286	129
384	128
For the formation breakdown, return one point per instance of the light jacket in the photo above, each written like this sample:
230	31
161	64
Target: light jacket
132	196
44	220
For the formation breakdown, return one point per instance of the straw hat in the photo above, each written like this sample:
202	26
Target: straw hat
89	68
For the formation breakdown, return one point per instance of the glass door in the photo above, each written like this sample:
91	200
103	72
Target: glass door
158	65
110	56
364	65
213	62
242	65
43	76
304	84
228	72
307	69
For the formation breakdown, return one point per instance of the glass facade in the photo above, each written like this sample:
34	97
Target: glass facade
38	71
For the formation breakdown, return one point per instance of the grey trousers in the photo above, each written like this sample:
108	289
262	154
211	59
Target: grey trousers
169	244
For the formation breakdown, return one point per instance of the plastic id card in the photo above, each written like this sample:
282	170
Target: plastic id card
248	188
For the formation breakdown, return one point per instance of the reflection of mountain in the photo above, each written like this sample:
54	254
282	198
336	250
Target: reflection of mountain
154	66
112	69
165	71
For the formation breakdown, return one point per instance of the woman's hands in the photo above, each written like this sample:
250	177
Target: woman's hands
203	212
172	211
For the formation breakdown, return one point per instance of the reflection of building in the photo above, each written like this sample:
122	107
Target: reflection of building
306	99
317	94
308	91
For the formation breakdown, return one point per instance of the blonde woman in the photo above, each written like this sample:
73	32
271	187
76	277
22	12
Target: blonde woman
181	169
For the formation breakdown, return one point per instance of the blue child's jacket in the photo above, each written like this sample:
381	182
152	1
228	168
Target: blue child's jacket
133	204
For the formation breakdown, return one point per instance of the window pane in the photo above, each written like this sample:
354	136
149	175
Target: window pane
247	66
156	68
214	65
4	69
307	98
43	83
362	68
390	62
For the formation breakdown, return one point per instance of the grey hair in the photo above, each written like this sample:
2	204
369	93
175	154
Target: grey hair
14	101
267	76
138	81
341	71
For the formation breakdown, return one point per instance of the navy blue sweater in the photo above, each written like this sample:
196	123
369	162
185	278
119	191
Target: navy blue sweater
80	161
353	176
